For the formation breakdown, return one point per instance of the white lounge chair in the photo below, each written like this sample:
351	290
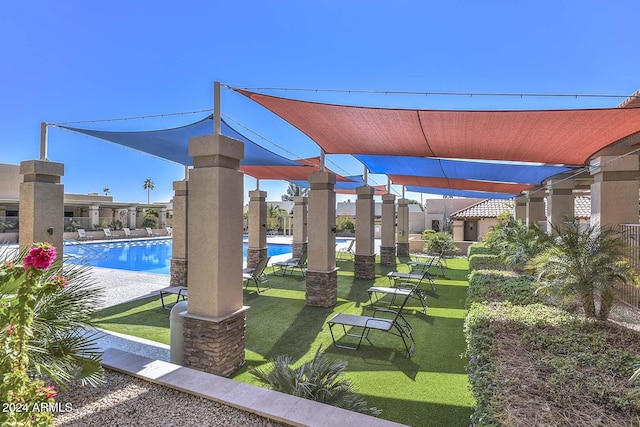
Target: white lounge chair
149	232
82	234
348	249
127	232
169	231
107	233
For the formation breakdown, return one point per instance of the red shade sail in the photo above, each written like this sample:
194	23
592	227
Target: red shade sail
460	184
568	137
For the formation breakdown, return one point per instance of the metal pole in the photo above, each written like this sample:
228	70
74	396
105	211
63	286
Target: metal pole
216	108
257	184
388	185
366	176
321	160
403	191
44	145
186	172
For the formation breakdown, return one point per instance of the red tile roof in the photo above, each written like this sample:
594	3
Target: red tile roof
492	208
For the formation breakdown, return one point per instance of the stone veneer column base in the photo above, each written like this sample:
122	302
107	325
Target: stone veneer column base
364	267
178	272
403	250
388	255
322	288
299	248
215	346
254	255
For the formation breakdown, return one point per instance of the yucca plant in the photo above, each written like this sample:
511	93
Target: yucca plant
586	264
319	379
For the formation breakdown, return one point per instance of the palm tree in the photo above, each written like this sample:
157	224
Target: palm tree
319	380
148	185
586	264
106	191
294	190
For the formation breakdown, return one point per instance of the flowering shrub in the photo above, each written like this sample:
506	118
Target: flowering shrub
40	313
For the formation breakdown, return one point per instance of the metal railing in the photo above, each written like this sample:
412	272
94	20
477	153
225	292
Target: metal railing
631	235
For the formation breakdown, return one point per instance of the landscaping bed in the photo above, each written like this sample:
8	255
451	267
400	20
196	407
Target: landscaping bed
536	364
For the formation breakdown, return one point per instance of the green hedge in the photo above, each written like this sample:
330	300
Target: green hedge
480	248
494	285
486	262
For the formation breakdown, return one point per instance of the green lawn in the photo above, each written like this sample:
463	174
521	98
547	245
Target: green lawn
428	389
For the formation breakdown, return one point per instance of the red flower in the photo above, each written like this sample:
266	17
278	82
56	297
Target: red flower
49	391
11	329
41	256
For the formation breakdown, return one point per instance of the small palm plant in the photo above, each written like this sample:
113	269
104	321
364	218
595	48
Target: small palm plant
586	264
62	346
319	380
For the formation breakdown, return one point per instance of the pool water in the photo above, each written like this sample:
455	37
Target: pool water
147	255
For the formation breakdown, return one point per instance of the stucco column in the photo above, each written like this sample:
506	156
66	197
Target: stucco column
162	218
41	206
520	208
458	231
94	216
560	202
139	217
322	274
535	208
214	325
403	228
614	192
131	217
257	248
299	226
179	257
365	258
388	243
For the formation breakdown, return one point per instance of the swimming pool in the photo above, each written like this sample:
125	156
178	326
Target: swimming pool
147	255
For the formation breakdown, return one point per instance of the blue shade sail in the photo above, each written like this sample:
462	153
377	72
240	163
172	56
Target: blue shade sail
460	193
461	169
173	144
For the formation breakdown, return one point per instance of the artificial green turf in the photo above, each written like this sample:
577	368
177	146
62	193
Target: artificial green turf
428	389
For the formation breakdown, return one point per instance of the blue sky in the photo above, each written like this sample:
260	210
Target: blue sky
76	60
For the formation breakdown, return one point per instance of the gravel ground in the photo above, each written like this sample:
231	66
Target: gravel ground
127	401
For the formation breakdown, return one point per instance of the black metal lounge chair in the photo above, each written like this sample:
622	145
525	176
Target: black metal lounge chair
420	276
395	324
180	291
280	268
426	263
257	274
402	290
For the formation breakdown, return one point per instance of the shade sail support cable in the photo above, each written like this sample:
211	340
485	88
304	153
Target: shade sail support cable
427	93
153	116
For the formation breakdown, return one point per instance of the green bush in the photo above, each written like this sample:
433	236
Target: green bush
149	222
426	234
486	262
493	285
345	223
440	243
481	248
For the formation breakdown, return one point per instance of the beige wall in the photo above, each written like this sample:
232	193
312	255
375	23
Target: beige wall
10	180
